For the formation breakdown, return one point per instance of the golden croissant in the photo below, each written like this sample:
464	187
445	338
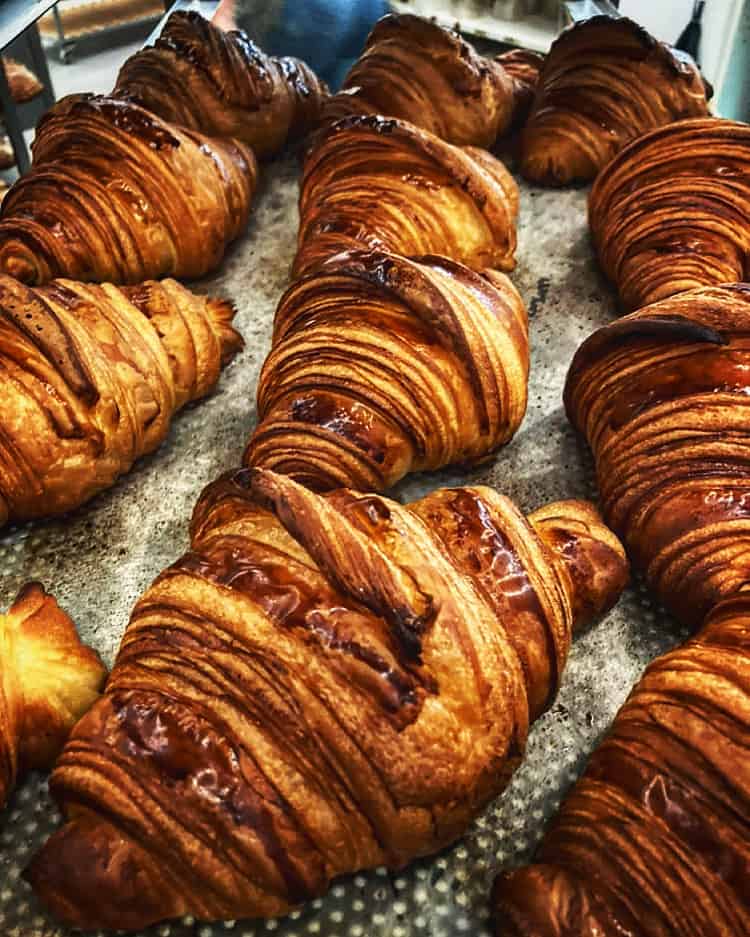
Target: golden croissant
604	82
654	839
382	365
384	183
670	212
48	679
222	84
414	69
91	377
322	684
115	194
22	82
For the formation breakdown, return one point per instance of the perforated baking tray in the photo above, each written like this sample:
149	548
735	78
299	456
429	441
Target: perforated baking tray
98	560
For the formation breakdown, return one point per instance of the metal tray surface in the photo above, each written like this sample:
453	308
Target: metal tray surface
98	560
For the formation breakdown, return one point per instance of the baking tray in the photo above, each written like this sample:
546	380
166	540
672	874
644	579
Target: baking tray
98	560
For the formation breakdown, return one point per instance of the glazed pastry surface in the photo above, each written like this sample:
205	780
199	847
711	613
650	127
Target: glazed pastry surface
117	195
654	839
386	184
382	366
413	69
48	679
320	685
604	82
91	377
669	214
222	85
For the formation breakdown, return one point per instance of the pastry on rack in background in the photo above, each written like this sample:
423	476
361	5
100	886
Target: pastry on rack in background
654	839
671	211
604	82
380	182
48	679
383	365
117	195
222	84
22	82
91	378
413	69
7	156
321	685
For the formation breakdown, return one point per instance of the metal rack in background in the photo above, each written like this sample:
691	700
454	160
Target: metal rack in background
18	24
66	43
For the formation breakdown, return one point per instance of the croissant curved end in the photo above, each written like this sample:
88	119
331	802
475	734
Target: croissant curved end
592	555
128	890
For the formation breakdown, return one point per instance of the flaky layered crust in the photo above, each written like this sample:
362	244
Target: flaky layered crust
604	82
384	183
670	212
48	679
381	366
117	195
222	84
663	398
320	685
91	376
655	838
413	69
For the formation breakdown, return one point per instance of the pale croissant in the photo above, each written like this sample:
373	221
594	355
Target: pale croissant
384	183
414	69
382	366
654	839
321	685
222	84
91	378
117	195
48	679
604	82
671	211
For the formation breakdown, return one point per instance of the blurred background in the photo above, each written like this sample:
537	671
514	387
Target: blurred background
53	49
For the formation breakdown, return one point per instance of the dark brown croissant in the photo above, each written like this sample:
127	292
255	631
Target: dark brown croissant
117	195
384	183
91	376
48	680
221	84
382	366
671	211
655	839
321	685
605	82
413	69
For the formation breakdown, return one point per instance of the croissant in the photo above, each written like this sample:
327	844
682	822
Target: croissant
654	839
91	377
321	685
663	397
117	195
670	212
382	365
413	69
22	82
221	84
386	184
48	679
604	82
7	157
